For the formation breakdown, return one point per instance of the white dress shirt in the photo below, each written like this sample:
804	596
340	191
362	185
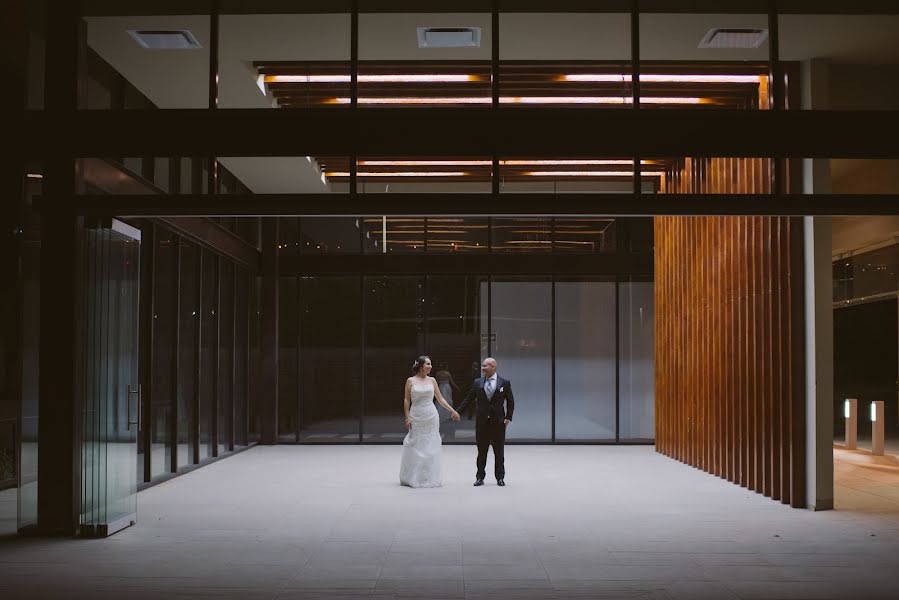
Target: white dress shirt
490	386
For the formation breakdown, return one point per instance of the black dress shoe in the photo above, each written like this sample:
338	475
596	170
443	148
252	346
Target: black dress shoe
478	482
500	482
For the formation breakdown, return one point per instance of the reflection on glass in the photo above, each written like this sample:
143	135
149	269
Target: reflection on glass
331	331
636	234
585	235
208	351
637	362
241	329
458	234
226	356
31	302
165	290
522	235
394	337
329	235
109	382
288	392
521	323
608	174
393	235
188	352
585	360
454	345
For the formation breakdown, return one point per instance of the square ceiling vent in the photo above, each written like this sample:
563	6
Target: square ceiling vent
449	37
165	39
734	38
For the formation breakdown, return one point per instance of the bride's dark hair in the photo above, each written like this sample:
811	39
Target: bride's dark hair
419	363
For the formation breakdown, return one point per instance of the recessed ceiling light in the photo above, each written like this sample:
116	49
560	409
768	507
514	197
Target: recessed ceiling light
734	37
449	37
165	39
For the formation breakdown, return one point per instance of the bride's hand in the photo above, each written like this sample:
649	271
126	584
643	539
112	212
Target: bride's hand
409	424
456	416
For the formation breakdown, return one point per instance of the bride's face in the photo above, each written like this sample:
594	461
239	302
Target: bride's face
426	368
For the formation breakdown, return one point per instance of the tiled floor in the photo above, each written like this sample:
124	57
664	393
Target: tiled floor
573	522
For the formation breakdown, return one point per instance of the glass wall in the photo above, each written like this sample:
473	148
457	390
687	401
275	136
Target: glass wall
578	351
163	389
200	370
188	350
585	327
287	359
394	336
331	381
454	341
521	342
636	351
208	352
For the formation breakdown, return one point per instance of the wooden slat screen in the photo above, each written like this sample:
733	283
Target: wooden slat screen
729	349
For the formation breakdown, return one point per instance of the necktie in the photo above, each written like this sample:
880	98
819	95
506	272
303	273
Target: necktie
489	388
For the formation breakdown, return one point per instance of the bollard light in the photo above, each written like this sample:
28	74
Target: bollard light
877	428
850	411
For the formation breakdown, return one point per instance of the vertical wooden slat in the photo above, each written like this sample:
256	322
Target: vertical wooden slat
729	340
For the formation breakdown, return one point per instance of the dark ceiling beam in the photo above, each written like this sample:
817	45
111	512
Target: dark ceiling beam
479	131
199	7
509	204
469	262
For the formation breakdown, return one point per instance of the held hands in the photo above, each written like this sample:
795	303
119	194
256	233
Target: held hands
456	416
506	421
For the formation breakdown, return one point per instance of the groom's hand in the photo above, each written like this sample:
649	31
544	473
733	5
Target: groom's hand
506	421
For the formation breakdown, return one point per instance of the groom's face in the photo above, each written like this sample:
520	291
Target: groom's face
488	368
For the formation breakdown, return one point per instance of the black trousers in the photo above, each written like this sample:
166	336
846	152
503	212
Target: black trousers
491	433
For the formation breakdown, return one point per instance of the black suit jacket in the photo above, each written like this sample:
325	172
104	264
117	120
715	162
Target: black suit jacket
501	406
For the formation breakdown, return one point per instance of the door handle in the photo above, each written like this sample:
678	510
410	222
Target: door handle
134	390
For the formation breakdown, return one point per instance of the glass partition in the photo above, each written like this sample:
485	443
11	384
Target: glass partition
163	384
585	358
331	381
188	350
394	337
208	374
108	381
521	342
288	374
636	370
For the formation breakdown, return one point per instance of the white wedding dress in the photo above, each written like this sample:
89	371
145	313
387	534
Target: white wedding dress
421	463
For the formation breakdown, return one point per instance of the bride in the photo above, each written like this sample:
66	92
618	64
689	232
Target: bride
420	466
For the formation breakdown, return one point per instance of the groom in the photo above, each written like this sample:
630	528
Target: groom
489	394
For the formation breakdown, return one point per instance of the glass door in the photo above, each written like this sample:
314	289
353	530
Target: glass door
109	386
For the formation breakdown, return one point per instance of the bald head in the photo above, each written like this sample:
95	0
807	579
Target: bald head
488	367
